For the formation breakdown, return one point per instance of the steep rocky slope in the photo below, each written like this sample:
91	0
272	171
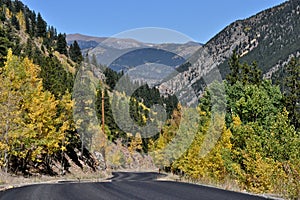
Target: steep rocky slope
270	38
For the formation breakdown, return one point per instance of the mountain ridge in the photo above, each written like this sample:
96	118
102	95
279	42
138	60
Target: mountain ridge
109	50
250	38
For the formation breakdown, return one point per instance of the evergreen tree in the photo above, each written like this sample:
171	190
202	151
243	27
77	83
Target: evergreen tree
19	6
291	91
75	53
5	43
61	45
41	26
52	33
234	65
55	78
31	22
2	15
244	73
111	78
15	22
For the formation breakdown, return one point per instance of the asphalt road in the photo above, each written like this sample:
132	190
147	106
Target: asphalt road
123	185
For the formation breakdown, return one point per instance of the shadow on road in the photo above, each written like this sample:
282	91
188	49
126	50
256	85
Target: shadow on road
136	176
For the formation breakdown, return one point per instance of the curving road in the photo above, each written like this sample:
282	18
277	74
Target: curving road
123	185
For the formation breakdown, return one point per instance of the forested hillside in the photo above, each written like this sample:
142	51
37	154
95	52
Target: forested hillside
254	144
273	36
37	69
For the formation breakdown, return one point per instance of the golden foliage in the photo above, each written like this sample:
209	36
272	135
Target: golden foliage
36	123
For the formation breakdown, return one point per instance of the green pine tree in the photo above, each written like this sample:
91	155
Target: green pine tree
75	53
61	45
41	26
292	91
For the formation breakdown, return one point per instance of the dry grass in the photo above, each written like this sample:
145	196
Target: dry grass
228	184
8	181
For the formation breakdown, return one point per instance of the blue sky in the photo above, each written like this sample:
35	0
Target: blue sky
198	19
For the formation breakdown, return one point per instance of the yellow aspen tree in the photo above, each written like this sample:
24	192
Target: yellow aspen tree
21	19
65	120
10	115
9	118
40	118
35	124
136	143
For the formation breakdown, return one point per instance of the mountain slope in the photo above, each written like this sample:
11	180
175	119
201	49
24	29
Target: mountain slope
269	38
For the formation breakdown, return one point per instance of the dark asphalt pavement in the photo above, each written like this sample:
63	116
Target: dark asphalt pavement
123	185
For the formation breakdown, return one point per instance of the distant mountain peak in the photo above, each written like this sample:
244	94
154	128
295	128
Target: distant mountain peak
81	37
